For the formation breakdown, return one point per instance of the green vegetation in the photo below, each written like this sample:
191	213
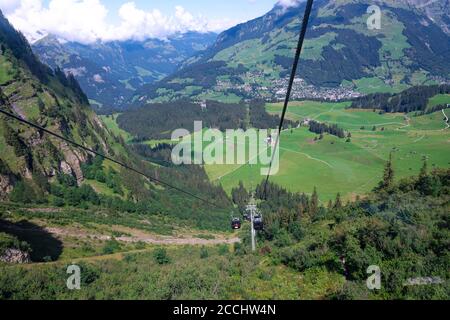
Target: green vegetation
333	164
111	123
10	242
306	251
247	61
390	228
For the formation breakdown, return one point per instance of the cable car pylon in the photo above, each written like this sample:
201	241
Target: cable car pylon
255	220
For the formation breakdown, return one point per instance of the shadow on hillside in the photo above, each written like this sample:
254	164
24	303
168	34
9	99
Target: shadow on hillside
45	247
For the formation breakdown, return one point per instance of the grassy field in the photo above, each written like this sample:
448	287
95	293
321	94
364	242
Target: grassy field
439	99
335	165
111	124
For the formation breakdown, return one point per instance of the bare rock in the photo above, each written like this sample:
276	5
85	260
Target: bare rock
15	256
6	186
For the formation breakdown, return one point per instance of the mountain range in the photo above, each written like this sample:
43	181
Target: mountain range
109	72
36	167
342	58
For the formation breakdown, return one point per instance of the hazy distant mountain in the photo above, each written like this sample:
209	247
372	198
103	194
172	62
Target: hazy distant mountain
341	54
110	72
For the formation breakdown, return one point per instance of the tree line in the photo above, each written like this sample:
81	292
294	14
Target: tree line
158	121
321	128
412	99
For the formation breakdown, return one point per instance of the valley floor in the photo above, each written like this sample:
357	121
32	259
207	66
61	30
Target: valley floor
351	167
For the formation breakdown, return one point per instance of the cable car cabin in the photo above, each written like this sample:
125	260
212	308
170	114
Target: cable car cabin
235	223
247	217
258	223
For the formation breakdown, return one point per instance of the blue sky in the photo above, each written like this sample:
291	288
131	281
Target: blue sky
241	10
88	21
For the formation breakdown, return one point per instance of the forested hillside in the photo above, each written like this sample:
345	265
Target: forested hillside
341	56
307	251
159	120
406	238
36	168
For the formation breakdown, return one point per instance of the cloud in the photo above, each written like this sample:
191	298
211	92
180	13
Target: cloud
85	21
289	3
9	5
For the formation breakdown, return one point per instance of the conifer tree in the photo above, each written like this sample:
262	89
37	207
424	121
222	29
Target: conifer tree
338	203
314	202
330	204
388	177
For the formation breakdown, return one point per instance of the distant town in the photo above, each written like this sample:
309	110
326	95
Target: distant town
277	90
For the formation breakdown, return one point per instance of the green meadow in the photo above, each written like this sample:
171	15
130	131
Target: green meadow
336	165
111	123
350	167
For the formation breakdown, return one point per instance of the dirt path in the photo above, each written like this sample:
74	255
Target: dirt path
446	120
134	236
308	156
408	123
139	236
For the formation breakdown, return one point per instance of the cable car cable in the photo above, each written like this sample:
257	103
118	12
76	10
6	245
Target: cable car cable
124	165
291	83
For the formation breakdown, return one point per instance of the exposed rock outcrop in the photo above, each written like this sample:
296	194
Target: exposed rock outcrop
5	186
15	256
73	161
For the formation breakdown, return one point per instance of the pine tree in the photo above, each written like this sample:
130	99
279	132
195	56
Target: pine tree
314	202
388	177
424	170
425	183
338	203
330	204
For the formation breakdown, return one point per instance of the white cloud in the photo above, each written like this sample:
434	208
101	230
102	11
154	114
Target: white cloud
85	21
9	5
289	3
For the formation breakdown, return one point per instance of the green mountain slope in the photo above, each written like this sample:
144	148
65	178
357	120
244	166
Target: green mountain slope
38	169
342	58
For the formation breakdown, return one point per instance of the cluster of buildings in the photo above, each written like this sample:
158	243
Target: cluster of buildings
277	90
301	90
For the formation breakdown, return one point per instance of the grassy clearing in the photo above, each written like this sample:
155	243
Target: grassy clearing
440	99
351	168
111	124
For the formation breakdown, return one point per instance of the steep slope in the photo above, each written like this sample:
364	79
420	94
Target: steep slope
36	168
341	56
31	90
110	72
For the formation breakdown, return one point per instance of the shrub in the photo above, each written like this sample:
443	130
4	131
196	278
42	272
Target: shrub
223	249
111	247
204	253
161	256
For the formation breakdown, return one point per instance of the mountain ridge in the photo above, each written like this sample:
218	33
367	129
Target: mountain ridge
109	72
39	169
252	60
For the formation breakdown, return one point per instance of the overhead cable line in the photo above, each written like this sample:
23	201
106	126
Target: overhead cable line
124	165
291	83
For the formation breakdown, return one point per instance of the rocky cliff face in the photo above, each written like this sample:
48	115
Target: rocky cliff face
51	99
6	186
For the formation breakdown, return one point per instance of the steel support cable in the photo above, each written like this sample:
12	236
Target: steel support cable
291	83
124	165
